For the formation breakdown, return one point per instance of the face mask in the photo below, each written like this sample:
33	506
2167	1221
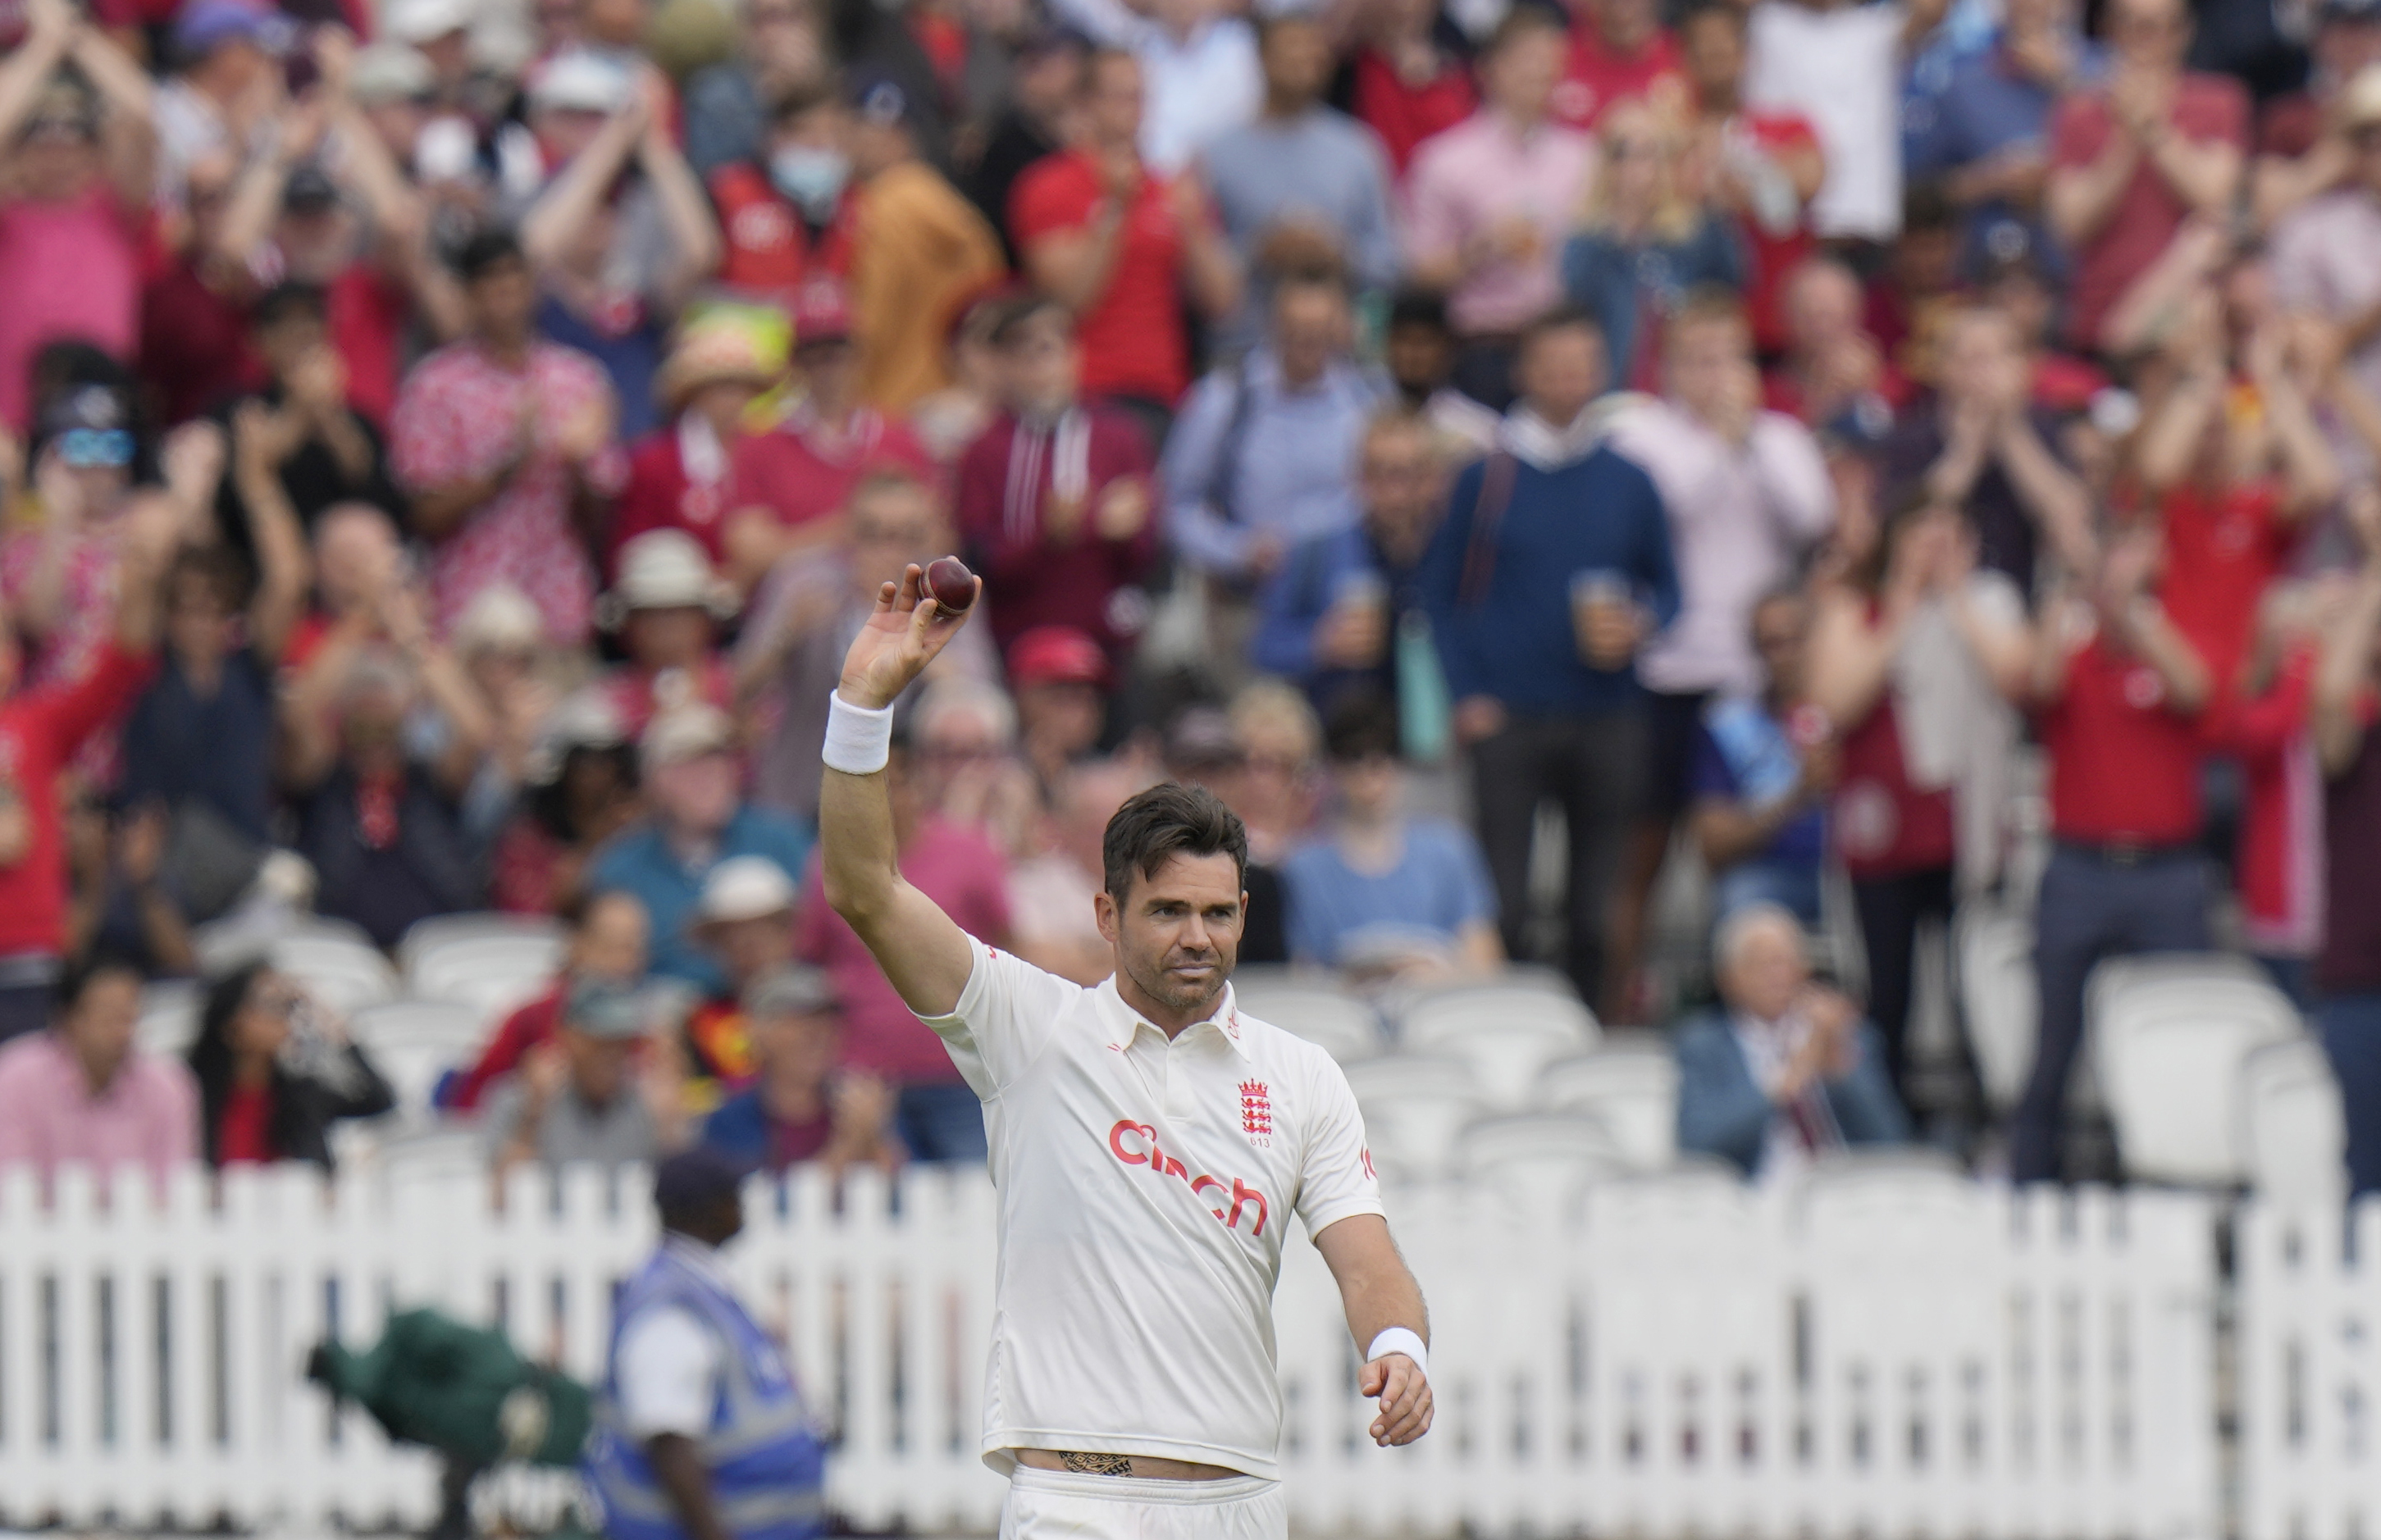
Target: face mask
810	176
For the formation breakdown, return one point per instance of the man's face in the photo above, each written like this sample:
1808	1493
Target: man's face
101	1026
889	530
1048	83
1520	78
1823	305
1980	357
1310	326
1399	481
2344	45
675	637
2149	34
197	626
611	947
1705	360
564	132
697	795
1420	357
289	337
56	158
1298	61
1041	363
1713	45
355	550
503	298
1767	972
1561	371
1062	714
599	1066
747	948
830	367
1176	935
1114	100
1368	788
799	1045
1624	25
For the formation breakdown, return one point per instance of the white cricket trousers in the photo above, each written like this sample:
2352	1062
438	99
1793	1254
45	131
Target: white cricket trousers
1060	1505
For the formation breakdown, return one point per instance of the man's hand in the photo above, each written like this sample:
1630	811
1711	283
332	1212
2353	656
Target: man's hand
1404	1394
1351	636
1479	717
906	631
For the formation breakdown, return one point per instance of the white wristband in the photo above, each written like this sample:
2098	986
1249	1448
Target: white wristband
1400	1339
858	741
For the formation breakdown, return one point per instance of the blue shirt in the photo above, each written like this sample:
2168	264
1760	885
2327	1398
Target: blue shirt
1323	169
630	357
1438	886
215	750
1743	754
1251	454
1986	108
639	862
1620	284
1513	642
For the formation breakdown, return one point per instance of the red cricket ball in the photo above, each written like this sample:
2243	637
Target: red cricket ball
951	583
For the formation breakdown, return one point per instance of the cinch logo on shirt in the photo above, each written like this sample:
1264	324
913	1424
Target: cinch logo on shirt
1228	1202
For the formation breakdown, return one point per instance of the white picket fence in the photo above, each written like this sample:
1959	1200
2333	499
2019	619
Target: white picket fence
1888	1353
2309	1355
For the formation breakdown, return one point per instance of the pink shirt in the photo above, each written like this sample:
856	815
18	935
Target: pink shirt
458	417
958	869
1480	172
149	1113
67	270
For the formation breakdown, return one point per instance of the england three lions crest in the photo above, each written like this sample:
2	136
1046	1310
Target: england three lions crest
1256	1114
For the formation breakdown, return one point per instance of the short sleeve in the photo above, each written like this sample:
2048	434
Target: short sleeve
425	443
1006	1016
665	1371
1048	198
1335	1179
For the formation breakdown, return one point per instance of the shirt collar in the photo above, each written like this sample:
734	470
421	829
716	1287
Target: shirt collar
1124	1022
698	1258
1540	444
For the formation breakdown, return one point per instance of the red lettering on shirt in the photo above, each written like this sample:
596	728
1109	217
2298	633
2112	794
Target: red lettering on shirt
1142	1150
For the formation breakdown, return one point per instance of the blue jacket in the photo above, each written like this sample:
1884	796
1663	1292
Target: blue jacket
1721	1112
767	1462
640	862
1514	641
1616	283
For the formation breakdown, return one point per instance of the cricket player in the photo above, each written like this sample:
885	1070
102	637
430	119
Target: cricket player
1150	1143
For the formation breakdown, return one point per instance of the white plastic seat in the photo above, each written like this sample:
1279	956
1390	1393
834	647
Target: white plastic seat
490	962
1508	1034
2172	1034
415	1042
1414	1109
1337	1023
344	973
169	1018
2294	1131
1538	1163
1630	1086
441	1157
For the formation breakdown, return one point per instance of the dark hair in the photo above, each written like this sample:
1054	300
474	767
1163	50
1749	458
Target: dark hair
486	249
1710	10
1903	507
578	910
279	303
211	1056
1561	318
218	566
1020	312
69	364
1420	307
1167	820
1361	725
1926	206
549	805
827	92
1519	22
81	972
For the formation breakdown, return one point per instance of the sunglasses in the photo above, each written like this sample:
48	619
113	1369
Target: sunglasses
85	448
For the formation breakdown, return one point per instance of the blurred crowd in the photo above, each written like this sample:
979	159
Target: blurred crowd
1508	452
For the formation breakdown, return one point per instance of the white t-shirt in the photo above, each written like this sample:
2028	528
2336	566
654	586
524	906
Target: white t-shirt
1842	70
1144	1186
668	1367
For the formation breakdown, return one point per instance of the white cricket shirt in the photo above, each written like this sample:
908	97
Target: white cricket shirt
1144	1186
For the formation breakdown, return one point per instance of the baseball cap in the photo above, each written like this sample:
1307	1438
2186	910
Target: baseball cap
744	887
796	989
607	1011
665	570
822	312
579	80
500	617
390	72
421	21
880	101
685	732
204	26
1055	654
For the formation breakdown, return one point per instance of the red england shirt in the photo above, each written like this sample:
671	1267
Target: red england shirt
1131	339
2124	763
1597	76
2222	548
801	470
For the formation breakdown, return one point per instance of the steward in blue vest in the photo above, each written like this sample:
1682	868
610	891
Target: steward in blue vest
700	1432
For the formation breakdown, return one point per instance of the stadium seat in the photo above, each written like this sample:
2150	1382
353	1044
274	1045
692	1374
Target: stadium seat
1997	994
2294	1131
2170	1035
1335	1021
1507	1032
438	1157
338	968
490	962
169	1018
1538	1163
1630	1086
1414	1109
415	1042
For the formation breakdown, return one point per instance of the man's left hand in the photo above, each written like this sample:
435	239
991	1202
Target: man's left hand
1404	1394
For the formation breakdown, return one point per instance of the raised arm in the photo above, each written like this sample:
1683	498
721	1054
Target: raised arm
284	568
562	211
925	954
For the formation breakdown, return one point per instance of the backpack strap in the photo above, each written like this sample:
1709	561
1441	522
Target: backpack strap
1228	448
1496	476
